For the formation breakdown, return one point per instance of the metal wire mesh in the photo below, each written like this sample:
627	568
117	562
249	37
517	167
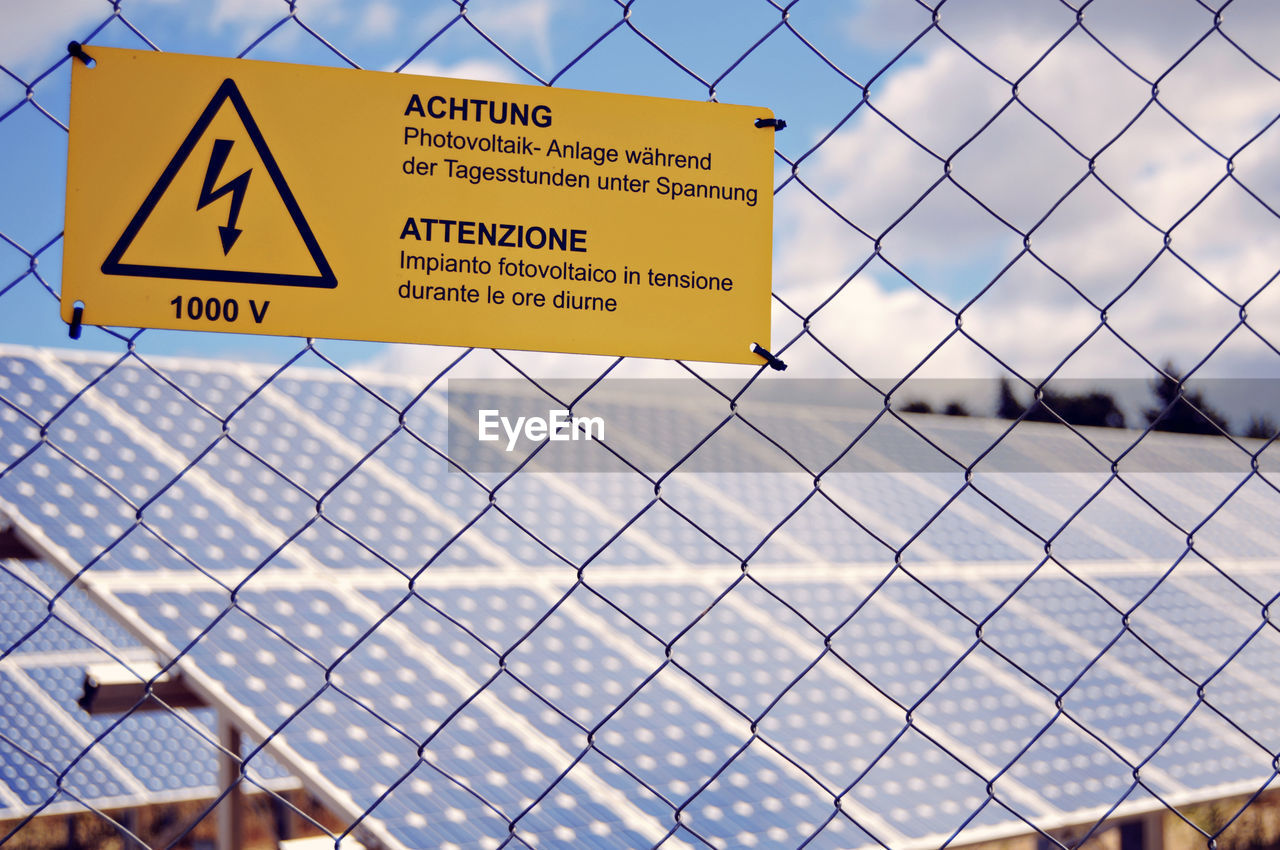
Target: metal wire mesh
947	169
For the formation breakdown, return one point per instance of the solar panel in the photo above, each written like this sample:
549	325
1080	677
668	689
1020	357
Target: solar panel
578	658
56	758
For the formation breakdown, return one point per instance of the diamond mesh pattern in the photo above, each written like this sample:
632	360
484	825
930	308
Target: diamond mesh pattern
822	658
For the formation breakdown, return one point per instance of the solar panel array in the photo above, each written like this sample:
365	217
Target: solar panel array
598	659
54	757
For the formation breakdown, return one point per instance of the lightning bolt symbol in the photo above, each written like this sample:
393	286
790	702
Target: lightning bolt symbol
236	188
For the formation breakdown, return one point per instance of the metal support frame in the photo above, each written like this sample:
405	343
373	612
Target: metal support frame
230	812
114	688
12	545
1138	832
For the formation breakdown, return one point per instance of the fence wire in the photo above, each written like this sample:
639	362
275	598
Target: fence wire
964	189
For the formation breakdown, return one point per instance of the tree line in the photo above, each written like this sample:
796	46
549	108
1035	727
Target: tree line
1172	408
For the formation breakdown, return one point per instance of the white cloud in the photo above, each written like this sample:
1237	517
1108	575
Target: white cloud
30	28
468	69
378	20
1031	319
521	22
873	175
246	15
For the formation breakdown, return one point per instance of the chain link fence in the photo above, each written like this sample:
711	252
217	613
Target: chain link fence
788	611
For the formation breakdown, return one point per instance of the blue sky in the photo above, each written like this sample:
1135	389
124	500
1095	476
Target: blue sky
939	98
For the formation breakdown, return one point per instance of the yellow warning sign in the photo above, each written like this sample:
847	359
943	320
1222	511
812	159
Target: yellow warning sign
167	239
258	197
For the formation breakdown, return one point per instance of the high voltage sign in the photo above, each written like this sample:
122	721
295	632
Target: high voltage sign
260	197
203	263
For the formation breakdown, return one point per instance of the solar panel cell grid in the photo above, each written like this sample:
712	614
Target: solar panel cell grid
402	534
1125	716
48	582
964	540
823	523
156	403
971	442
1050	660
674	532
671	746
293	454
737	526
858	723
1189	629
903	508
577	516
455	686
353	729
1254	589
1253	508
920	789
41	749
568	666
181	513
815	442
1062	508
365	416
1120	514
1249	705
25	385
1219	540
26	623
19	432
1211	751
91	513
753	797
902	657
1072	770
212	388
144	742
1028	498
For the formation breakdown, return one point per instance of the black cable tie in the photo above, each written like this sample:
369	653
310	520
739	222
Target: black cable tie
76	49
774	362
77	314
775	123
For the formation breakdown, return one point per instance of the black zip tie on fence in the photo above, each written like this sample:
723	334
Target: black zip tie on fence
774	362
775	123
76	49
77	314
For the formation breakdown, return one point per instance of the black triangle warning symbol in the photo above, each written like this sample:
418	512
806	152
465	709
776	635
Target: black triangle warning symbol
215	186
